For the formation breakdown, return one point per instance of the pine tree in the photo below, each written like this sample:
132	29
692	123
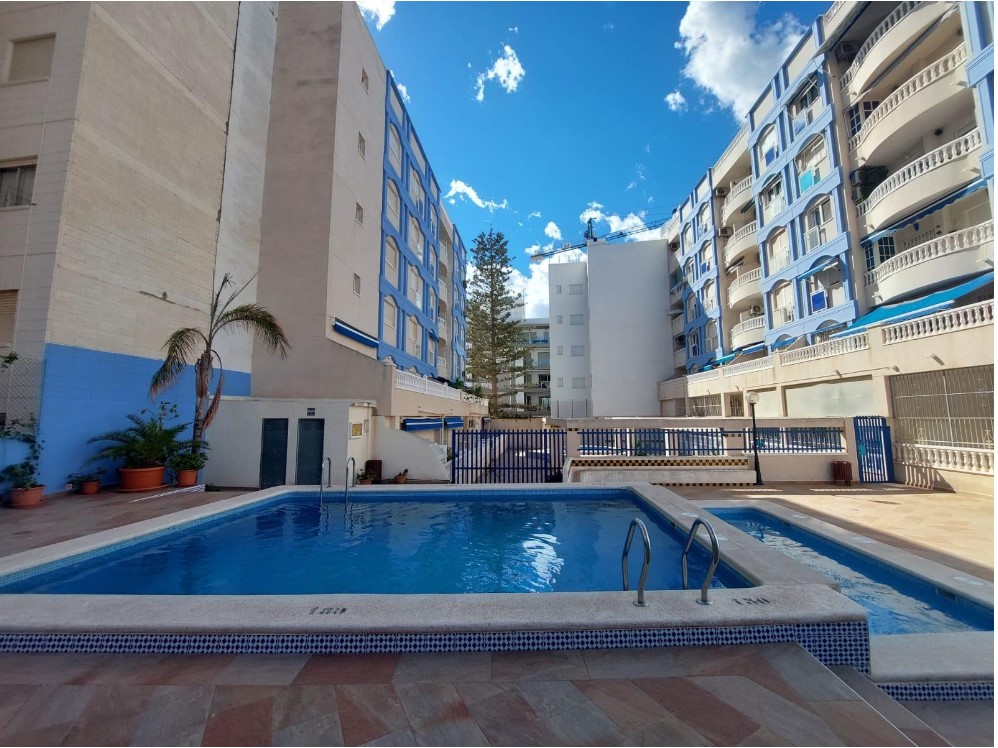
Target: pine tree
496	340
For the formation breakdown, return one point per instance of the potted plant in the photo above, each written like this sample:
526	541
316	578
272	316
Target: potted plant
401	477
87	483
365	477
186	463
26	491
145	447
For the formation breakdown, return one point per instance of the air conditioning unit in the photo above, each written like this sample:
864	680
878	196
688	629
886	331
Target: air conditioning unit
755	310
673	245
725	231
719	192
846	52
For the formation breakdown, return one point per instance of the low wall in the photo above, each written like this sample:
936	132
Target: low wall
400	451
924	476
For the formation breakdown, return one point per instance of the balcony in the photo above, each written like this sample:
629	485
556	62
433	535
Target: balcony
679	359
750	331
677	325
742	241
772	209
672	389
816	236
892	36
778	261
444	294
745	289
442	327
954	255
925	179
933	95
828	349
736	199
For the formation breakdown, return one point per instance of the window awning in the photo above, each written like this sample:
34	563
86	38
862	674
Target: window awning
818	268
928	210
454	422
754	348
784	343
728	358
422	424
737	263
354	334
905	310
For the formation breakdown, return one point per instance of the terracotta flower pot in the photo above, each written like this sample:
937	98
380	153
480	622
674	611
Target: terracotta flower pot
187	478
365	482
89	487
26	498
141	479
400	479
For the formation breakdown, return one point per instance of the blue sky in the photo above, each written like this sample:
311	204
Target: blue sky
545	108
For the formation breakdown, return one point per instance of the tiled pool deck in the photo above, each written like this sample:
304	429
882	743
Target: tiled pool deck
774	694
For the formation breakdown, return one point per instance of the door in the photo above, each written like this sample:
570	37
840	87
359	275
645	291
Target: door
309	468
274	452
873	447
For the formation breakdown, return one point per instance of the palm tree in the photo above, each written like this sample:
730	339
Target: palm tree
193	345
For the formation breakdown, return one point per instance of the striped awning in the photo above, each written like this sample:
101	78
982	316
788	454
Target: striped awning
422	424
454	422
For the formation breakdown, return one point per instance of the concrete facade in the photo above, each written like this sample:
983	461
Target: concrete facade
571	376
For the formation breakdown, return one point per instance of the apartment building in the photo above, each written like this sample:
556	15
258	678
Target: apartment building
568	315
148	149
838	257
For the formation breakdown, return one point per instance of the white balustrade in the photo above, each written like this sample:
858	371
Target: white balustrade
940	246
753	323
733	246
735	143
703	376
959	459
679	359
909	88
828	20
942	155
751	276
878	33
672	389
827	349
406	380
962	318
766	362
737	190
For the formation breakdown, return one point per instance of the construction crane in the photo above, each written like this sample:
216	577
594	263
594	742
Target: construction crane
590	235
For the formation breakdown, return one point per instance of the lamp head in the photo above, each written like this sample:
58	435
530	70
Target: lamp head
752	398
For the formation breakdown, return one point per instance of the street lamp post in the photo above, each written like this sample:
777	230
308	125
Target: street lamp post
752	398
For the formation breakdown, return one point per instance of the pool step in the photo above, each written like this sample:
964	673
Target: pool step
913	728
956	666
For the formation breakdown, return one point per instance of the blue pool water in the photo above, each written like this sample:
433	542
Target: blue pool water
896	602
444	543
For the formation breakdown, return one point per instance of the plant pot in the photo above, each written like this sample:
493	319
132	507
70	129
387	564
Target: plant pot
187	478
141	479
400	478
365	482
89	487
26	498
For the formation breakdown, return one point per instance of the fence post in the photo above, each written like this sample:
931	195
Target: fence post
573	440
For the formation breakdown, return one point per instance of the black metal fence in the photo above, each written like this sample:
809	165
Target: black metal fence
516	456
641	442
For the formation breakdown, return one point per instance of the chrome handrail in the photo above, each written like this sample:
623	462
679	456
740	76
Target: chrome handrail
636	523
326	461
348	479
715	557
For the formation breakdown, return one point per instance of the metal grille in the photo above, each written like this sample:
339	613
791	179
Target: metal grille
951	408
644	442
507	456
705	405
20	389
736	405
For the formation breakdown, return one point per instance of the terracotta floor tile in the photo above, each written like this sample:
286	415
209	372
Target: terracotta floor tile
701	710
566	665
12	698
261	669
345	669
240	715
42	668
751	661
44	736
397	738
672	731
115	669
174	715
810	677
184	670
444	667
111	716
630	708
369	712
49	706
631	663
857	723
438	716
548	698
585	725
504	715
764	737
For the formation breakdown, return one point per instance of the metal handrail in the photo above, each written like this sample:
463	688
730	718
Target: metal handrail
327	462
716	556
348	479
636	523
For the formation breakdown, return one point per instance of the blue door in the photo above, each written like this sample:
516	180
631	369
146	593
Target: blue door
873	447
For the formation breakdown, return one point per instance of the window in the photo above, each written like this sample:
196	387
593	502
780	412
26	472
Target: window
392	262
818	224
356	430
560	351
395	149
688	270
433	264
31	59
694	343
356	284
709	297
812	163
713	342
558	319
824	289
557	289
778	250
390	324
575	289
416	191
414	290
768	148
691	307
364	80
578	350
878	252
415	238
431	303
703	218
358	214
434	226
576	319
857	115
361	145
772	199
414	338
431	351
782	298
803	107
394	205
706	257
578	383
561	381
17	184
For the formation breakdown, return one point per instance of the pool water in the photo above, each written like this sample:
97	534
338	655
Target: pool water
384	546
896	602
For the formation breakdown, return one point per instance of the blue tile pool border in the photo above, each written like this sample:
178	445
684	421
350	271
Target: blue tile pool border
983	690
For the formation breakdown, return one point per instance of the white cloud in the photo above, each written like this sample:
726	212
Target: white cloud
534	284
381	10
608	26
615	223
631	186
462	190
507	70
730	54
514	29
676	101
535	214
403	92
552	231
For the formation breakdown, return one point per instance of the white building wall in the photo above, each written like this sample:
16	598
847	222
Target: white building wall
630	328
566	368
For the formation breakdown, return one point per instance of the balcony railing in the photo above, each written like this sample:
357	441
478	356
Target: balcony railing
778	261
735	143
961	459
962	318
829	19
406	380
704	376
736	192
827	349
878	33
942	155
909	88
753	323
751	276
766	362
815	236
772	209
941	246
672	389
749	229
442	327
679	359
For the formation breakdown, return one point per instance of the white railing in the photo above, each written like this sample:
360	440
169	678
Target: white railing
766	362
679	359
473	399
909	88
960	459
830	14
406	380
827	349
962	318
750	324
941	156
736	190
442	327
816	236
444	294
749	229
878	33
703	376
940	246
778	260
752	276
772	209
731	146
672	389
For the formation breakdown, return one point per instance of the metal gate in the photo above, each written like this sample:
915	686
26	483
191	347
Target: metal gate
507	456
873	447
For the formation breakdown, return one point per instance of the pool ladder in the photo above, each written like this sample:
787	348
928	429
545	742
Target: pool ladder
348	479
714	559
637	524
327	463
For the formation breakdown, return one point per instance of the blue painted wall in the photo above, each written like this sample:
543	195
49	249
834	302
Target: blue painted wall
86	392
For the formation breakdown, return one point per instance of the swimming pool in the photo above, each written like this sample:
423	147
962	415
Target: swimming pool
442	543
896	602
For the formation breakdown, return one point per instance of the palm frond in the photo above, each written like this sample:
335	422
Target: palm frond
227	279
215	310
181	348
261	322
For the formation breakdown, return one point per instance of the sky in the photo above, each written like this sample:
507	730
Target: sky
536	116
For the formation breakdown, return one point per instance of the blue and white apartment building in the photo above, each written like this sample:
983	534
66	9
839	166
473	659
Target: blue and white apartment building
838	258
263	140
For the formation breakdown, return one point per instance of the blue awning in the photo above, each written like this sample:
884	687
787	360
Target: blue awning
454	422
754	348
818	268
729	358
905	310
354	334
422	424
940	203
784	343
